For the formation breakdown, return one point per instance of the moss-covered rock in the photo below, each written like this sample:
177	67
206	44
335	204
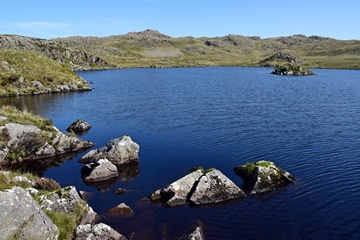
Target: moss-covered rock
263	176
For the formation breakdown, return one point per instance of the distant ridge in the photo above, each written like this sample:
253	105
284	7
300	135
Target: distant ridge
150	48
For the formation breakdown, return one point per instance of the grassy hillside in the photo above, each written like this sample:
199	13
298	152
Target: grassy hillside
151	48
26	72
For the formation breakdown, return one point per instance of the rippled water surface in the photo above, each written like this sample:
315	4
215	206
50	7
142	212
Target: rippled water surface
222	117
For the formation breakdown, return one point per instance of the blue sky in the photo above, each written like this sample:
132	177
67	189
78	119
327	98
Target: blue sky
197	18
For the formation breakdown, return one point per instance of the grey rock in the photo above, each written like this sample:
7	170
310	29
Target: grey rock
118	151
21	80
64	200
100	171
176	193
196	234
22	217
79	126
97	232
263	176
16	131
68	200
36	84
30	139
198	188
214	187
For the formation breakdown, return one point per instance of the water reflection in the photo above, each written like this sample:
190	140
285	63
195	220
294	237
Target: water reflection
126	173
40	166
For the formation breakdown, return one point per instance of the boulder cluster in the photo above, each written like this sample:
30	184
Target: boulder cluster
118	159
212	186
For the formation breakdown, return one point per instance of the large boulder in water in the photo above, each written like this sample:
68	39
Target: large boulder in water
213	187
263	176
118	151
99	171
198	187
22	218
176	193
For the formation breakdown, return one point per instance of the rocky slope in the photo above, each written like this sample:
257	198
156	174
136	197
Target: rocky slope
24	72
26	137
74	58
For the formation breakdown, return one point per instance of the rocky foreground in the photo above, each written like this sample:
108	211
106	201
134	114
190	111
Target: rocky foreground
38	208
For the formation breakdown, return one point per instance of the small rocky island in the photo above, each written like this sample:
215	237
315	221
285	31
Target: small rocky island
263	176
292	70
286	64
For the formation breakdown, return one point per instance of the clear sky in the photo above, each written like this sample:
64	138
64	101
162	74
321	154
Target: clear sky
197	18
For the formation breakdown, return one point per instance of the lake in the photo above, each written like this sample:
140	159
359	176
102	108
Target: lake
222	117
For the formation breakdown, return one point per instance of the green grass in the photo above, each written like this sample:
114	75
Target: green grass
25	118
32	66
65	222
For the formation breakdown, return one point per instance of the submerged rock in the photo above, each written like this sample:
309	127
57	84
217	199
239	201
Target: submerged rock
121	210
263	176
22	217
79	126
118	151
197	188
196	234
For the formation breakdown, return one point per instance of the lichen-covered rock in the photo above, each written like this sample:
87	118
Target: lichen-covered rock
20	142
79	126
263	176
68	200
97	232
22	218
196	234
213	187
177	193
99	171
198	187
118	151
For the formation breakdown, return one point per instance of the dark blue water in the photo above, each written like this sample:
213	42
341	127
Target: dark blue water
223	117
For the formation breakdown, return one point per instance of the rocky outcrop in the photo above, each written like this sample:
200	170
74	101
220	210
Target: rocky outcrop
28	142
263	176
101	170
97	232
198	187
196	234
79	126
292	70
118	151
22	217
68	200
75	58
280	57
